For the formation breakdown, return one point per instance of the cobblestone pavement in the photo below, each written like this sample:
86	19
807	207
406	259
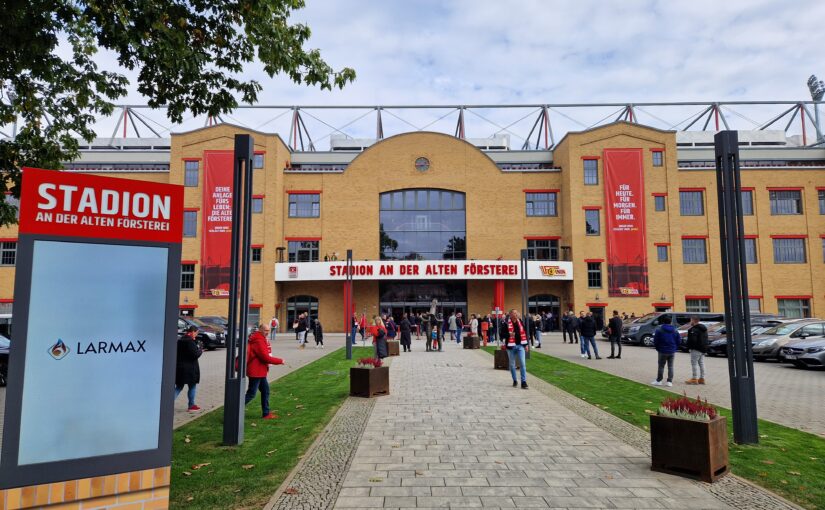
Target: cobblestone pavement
453	433
784	394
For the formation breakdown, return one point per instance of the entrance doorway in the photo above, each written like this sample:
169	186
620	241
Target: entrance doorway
598	316
397	298
543	303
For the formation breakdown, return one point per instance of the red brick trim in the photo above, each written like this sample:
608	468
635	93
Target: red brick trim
302	238
187	307
699	297
594	260
695	237
542	238
591	207
302	192
789	236
188	261
596	305
792	188
795	297
548	190
693	189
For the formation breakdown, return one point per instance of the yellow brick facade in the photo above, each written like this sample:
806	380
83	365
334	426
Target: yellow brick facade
496	222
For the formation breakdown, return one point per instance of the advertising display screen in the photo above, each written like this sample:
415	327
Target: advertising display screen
92	364
95	351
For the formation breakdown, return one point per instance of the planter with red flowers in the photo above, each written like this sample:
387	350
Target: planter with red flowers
689	438
369	379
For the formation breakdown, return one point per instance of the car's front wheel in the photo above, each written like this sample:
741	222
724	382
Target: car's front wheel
647	341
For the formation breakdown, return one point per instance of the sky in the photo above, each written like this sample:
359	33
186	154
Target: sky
525	52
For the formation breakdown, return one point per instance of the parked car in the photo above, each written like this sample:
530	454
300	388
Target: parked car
683	331
5	345
805	353
718	336
215	320
211	337
768	344
641	330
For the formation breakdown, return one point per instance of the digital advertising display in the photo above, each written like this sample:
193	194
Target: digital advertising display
91	367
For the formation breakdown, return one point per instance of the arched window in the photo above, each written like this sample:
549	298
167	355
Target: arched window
297	305
422	224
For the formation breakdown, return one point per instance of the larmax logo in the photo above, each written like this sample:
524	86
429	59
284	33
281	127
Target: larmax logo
60	350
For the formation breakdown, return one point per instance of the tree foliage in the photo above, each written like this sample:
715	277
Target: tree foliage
189	56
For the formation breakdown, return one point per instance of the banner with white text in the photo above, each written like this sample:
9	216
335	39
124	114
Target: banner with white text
216	235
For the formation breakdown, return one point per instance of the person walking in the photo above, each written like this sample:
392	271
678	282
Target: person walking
187	368
697	342
452	324
417	325
615	326
485	328
353	328
258	358
565	328
301	328
273	327
666	340
379	338
392	328
588	328
539	322
406	333
514	335
362	328
318	333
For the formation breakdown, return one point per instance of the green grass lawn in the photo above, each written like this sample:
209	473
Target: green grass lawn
207	475
787	461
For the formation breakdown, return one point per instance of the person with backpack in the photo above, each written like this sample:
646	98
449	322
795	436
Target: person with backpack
666	340
615	327
697	343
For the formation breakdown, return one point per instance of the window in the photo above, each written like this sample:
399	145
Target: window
658	158
594	275
190	223
747	203
258	161
591	172
542	249
191	171
789	251
750	251
821	201
8	253
591	220
303	251
187	277
253	316
304	205
755	305
6	308
691	203
541	204
661	253
786	202
256	255
257	205
297	305
794	308
659	203
694	252
697	305
422	224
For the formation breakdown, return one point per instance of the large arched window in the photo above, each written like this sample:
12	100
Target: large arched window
297	305
423	224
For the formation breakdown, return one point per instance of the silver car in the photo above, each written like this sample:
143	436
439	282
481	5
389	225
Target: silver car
805	353
768	344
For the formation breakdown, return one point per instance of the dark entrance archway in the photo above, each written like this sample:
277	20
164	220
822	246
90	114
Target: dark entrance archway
542	303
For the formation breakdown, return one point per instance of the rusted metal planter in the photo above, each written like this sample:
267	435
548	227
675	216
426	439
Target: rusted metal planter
393	348
501	361
694	449
369	382
472	342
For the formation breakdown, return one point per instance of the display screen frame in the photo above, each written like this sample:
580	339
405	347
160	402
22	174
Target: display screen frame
12	474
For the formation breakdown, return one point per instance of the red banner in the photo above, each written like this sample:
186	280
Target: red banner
77	205
217	223
625	214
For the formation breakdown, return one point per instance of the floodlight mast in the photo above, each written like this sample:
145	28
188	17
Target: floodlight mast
817	89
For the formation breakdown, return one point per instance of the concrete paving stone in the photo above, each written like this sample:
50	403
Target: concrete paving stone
352	492
399	501
467	482
522	482
423	482
647	503
603	492
530	502
577	502
641	492
360	502
446	491
497	502
634	482
546	491
401	473
492	491
450	502
399	491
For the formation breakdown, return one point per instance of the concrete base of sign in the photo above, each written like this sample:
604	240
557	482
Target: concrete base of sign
148	488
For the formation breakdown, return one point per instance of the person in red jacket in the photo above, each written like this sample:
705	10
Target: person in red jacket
258	358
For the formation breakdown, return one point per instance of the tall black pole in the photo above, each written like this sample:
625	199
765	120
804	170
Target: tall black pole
348	302
735	282
525	305
233	411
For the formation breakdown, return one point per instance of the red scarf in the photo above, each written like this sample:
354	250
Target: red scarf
511	342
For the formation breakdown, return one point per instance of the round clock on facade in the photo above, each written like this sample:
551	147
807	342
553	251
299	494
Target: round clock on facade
422	164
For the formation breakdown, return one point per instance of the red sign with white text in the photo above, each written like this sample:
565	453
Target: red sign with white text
625	214
217	223
90	206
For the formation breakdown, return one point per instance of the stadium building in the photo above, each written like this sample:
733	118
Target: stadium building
621	216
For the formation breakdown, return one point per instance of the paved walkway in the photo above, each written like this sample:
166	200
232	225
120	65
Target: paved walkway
454	433
784	394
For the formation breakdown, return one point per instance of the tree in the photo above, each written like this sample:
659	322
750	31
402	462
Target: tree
188	55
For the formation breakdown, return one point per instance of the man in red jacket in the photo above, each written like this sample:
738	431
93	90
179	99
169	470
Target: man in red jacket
258	358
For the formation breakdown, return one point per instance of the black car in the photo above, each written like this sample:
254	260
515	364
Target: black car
210	336
5	345
718	339
215	320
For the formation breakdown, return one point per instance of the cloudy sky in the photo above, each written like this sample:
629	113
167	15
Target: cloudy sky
583	51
